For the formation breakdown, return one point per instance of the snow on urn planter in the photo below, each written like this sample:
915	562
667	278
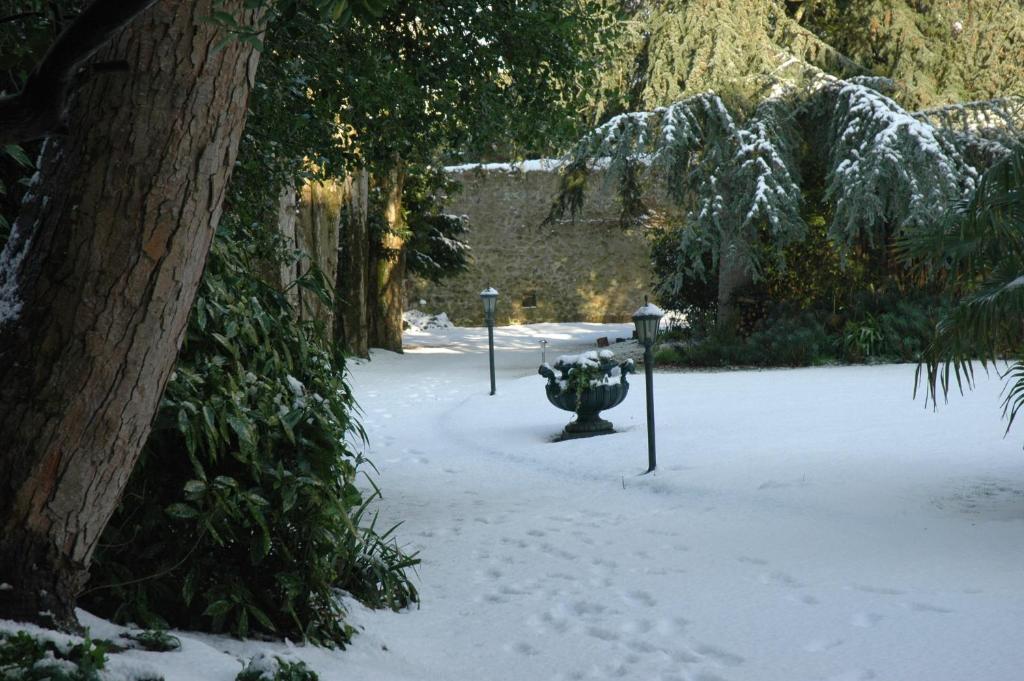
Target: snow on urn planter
586	384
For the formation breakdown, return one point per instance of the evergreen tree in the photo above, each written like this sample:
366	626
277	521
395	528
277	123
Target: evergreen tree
738	179
938	52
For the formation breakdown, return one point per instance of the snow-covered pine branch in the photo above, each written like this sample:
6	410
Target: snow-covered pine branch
886	167
733	180
985	131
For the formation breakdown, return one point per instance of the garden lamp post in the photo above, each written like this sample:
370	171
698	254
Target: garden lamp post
647	319
490	298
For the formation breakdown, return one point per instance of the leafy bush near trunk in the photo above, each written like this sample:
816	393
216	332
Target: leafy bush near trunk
243	515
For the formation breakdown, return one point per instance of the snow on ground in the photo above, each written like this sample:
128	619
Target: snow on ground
803	525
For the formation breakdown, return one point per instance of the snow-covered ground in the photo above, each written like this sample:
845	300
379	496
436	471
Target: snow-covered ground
810	524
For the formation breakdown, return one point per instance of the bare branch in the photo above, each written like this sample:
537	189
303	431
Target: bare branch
39	109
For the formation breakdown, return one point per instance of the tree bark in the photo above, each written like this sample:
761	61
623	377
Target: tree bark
285	273
319	219
96	284
351	319
40	108
388	274
732	276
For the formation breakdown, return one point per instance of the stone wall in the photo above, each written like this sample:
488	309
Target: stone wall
588	270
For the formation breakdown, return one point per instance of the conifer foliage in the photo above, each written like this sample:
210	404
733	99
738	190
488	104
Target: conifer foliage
738	178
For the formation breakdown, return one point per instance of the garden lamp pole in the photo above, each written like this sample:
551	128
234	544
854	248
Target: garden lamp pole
490	298
647	319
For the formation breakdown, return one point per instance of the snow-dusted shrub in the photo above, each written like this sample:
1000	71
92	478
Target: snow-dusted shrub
747	181
154	640
24	657
422	321
579	373
243	514
265	667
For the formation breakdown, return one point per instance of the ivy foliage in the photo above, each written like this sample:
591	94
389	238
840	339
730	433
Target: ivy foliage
243	514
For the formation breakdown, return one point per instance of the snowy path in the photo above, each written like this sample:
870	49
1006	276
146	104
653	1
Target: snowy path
805	524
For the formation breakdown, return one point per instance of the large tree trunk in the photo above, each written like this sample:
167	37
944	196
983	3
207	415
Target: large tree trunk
283	274
351	326
96	284
320	205
732	276
388	273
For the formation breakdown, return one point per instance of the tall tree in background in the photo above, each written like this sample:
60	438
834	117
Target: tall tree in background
428	82
744	111
937	52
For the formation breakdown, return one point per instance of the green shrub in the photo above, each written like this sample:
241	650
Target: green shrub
273	668
873	327
242	515
791	341
26	658
154	640
678	287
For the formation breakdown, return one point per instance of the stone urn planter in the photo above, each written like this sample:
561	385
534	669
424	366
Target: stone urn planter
587	384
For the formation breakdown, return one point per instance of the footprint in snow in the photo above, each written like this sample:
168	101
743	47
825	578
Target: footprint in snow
637	626
671	627
642	598
708	676
562	576
557	552
926	607
720	655
641	646
781	578
819	645
854	675
555	622
524	648
684	656
602	634
866	620
752	560
881	590
584	608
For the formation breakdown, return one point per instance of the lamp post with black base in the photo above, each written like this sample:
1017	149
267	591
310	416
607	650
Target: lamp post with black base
489	296
647	320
